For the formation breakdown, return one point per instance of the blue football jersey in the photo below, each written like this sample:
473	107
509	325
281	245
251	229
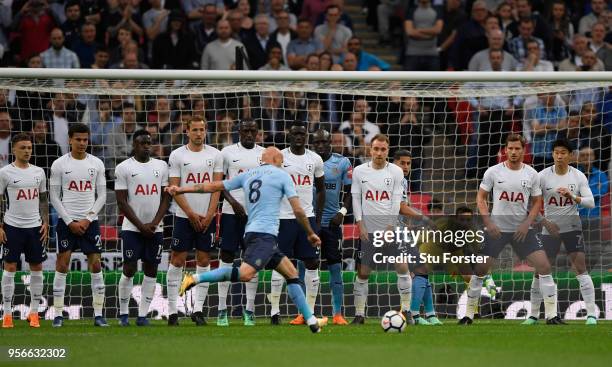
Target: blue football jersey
338	171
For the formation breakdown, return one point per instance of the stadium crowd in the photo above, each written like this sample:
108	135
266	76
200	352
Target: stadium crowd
314	35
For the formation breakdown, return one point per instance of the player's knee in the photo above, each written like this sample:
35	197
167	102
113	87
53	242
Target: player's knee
311	264
178	259
150	270
33	267
61	267
247	275
227	257
95	267
12	267
202	258
129	269
544	268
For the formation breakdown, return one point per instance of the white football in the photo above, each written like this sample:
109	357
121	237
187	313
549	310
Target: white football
393	322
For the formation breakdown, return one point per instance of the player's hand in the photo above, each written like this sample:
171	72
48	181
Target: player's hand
239	210
551	227
2	236
148	230
521	232
363	232
44	234
76	228
206	220
314	240
172	190
84	224
564	192
337	220
195	221
493	231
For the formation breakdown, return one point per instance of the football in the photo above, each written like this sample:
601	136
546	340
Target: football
393	322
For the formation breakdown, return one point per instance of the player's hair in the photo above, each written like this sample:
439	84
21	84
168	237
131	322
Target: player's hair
401	153
298	123
78	128
21	137
516	137
138	133
326	134
435	204
245	122
563	144
195	119
380	137
463	210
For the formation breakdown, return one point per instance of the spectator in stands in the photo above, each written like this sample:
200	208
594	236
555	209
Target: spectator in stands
592	133
575	62
277	8
205	31
312	9
349	62
358	132
333	35
224	134
471	37
283	34
562	32
598	181
72	26
423	24
326	61
154	22
506	15
271	119
304	45
101	58
384	11
174	49
58	56
157	149
5	137
220	54
44	150
34	62
453	17
540	29
435	206
33	24
365	59
532	61
235	18
59	123
602	50
125	43
244	6
548	120
102	129
518	44
275	59
75	109
480	60
343	19
572	133
130	61
195	8
587	21
120	14
121	136
259	44
85	48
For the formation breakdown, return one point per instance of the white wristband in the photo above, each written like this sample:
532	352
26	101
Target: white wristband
343	211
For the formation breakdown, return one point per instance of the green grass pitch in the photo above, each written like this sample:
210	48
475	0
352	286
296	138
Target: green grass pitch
495	343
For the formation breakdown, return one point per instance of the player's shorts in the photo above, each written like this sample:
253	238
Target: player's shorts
293	242
232	233
23	240
374	257
136	247
89	243
572	241
185	238
262	251
493	247
331	244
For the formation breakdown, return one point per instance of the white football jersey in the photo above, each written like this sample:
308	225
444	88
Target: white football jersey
194	168
558	209
144	183
303	170
238	159
377	189
511	191
23	187
78	179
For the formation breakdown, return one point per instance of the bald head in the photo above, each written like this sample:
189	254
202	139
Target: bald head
273	156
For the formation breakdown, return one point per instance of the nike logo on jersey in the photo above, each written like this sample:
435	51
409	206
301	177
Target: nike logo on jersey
501	181
135	174
15	181
549	188
186	164
67	172
235	160
364	181
286	165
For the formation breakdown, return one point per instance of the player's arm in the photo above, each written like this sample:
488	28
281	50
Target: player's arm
181	201
482	198
203	188
2	233
302	219
320	187
213	204
585	196
534	212
357	210
55	193
128	212
347	205
164	204
238	209
43	207
100	197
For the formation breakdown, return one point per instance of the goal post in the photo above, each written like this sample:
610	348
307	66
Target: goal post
454	124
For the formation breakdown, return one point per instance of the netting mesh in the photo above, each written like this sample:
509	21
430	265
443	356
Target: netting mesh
455	130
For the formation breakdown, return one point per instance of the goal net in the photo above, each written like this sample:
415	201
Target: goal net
454	125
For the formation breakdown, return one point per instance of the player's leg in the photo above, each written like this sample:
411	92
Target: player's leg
548	288
8	289
204	245
551	245
248	314
181	243
151	257
35	254
132	251
91	245
287	235
475	287
331	251
404	288
229	247
575	247
66	241
360	286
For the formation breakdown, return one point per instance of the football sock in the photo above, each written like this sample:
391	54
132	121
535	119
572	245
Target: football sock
201	290
549	293
337	288
251	292
223	287
404	287
147	290
218	275
535	298
276	287
173	280
419	287
473	295
8	289
360	292
312	280
301	268
588	293
59	288
297	296
125	292
36	289
97	290
428	305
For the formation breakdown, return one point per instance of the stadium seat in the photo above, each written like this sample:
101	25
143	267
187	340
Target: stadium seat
420	202
350	232
109	233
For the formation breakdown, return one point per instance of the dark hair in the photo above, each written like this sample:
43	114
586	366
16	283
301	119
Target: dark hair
298	123
380	137
77	128
463	209
516	137
141	132
304	20
401	153
562	143
72	3
332	6
532	40
245	122
21	137
526	20
435	204
102	49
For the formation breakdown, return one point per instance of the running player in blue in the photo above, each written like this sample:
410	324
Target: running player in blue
338	171
264	187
